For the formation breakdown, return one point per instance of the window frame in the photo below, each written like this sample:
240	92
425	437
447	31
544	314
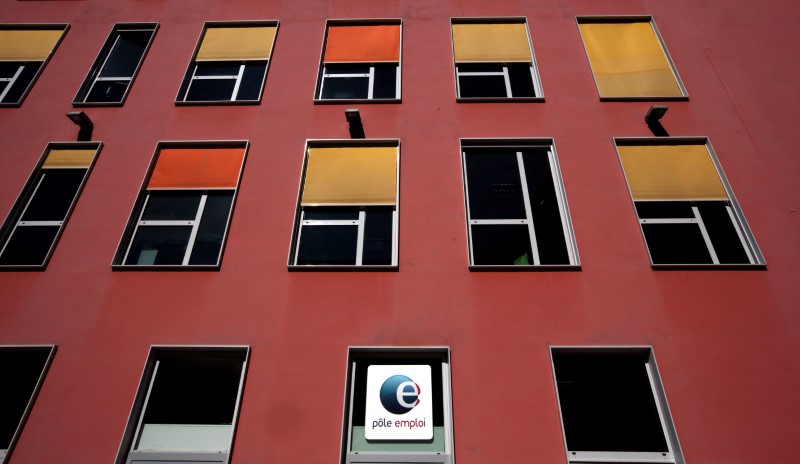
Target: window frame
322	74
738	220
93	76
191	68
5	455
13	219
300	222
674	456
561	197
534	67
140	401
404	355
135	218
614	19
64	27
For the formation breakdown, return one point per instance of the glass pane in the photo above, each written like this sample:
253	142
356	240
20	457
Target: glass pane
252	80
211	90
223	68
22	82
346	69
385	84
501	245
377	237
125	56
3	85
56	192
29	245
519	74
546	213
333	245
727	244
664	209
166	206
107	92
482	87
607	403
676	244
159	245
21	370
494	185
479	67
345	88
330	214
208	242
9	68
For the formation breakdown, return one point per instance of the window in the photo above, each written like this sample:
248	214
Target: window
230	63
360	61
517	211
613	406
686	210
23	369
186	407
182	215
629	60
37	219
347	211
24	50
113	71
494	60
415	424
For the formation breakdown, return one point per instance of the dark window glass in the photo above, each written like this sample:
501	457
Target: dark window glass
722	232
28	246
159	245
107	91
482	86
223	68
346	69
501	244
22	82
126	54
211	90
195	390
519	74
54	195
8	69
171	206
252	79
482	67
664	210
607	403
385	84
334	245
342	88
494	185
208	241
550	241
3	85
331	214
676	244
21	371
377	237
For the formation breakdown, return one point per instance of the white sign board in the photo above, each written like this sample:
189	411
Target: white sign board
399	403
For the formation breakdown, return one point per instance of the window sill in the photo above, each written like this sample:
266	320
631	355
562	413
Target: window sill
164	267
76	104
367	101
708	267
22	267
340	268
500	100
219	103
525	268
644	99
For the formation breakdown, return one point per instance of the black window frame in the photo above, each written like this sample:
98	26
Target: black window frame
39	65
93	76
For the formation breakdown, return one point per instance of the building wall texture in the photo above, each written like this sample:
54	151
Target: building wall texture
727	341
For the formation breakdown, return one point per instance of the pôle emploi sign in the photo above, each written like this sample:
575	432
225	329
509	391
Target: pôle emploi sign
399	403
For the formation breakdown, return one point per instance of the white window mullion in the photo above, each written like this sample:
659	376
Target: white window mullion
653	391
134	443
706	238
394	236
195	226
536	87
508	82
238	84
360	239
191	81
11	82
559	190
299	236
371	82
740	234
397	82
528	211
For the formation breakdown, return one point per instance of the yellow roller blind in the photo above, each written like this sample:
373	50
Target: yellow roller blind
351	176
502	42
27	44
237	43
69	158
671	172
628	61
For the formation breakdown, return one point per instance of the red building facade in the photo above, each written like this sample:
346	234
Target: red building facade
725	337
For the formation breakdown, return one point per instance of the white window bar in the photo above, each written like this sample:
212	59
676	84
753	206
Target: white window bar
558	187
237	77
11	81
742	240
528	212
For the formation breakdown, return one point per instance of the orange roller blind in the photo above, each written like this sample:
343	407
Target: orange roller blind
671	172
628	61
491	43
197	168
359	44
69	158
237	43
351	176
28	44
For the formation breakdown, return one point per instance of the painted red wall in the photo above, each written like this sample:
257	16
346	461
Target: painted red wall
727	342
